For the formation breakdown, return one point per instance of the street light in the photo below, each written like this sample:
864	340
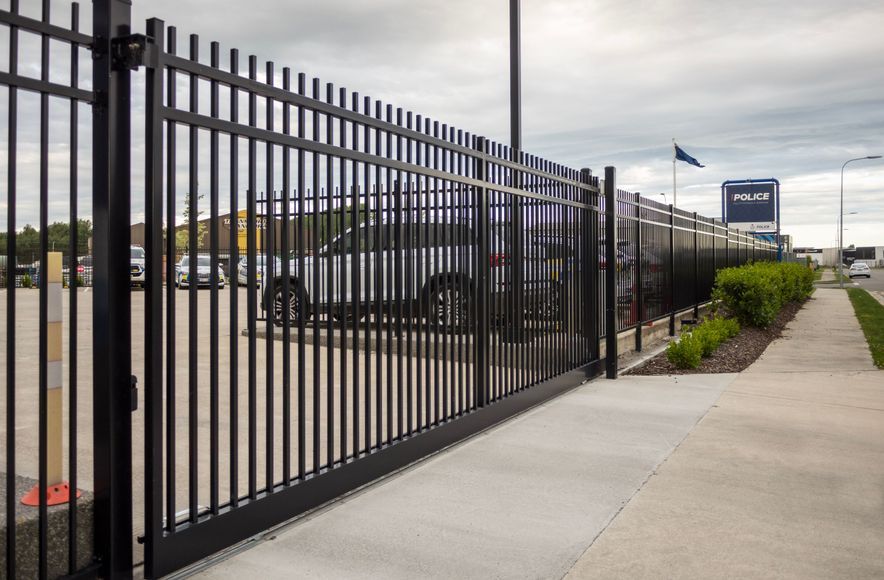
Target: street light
841	220
664	198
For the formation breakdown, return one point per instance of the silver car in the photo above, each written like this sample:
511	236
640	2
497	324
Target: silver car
242	272
137	266
183	277
439	266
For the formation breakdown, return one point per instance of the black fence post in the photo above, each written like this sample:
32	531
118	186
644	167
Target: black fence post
696	267
112	397
639	267
483	224
714	250
671	270
589	268
611	272
153	303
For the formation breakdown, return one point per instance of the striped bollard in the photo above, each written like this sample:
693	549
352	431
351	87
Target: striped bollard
57	490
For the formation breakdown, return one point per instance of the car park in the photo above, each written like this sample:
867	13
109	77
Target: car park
859	269
184	275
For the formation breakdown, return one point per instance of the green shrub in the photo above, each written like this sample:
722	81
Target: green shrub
709	337
26	281
755	293
79	282
685	353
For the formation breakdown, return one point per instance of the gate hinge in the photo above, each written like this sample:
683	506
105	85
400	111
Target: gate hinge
131	52
133	385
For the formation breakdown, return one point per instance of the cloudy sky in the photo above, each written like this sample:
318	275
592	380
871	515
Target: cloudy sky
753	89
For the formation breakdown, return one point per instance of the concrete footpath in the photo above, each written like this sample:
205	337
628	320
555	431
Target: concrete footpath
783	476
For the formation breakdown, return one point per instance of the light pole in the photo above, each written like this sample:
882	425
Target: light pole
664	198
841	220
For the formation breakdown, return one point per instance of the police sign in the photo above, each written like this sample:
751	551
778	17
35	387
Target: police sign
751	205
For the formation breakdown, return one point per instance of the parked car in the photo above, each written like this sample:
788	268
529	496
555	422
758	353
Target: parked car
183	277
242	269
858	269
440	267
137	262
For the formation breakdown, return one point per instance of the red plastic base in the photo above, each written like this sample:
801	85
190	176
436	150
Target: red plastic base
55	495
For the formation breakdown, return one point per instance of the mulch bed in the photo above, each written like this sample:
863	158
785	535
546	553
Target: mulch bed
733	356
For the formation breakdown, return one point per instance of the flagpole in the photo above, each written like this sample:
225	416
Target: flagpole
674	194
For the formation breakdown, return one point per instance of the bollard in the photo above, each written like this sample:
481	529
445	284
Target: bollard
57	490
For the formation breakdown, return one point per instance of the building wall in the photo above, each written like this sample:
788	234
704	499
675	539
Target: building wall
829	257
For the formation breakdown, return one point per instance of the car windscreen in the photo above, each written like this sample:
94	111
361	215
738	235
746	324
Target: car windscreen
202	262
137	253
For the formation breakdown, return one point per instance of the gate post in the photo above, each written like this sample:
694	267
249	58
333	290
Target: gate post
153	302
671	270
696	267
639	283
611	272
112	395
589	268
483	218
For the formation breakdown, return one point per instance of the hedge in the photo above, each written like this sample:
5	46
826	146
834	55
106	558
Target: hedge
755	293
701	342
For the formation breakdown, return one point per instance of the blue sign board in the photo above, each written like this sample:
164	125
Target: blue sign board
751	205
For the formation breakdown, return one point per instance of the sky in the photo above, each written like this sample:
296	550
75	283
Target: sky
754	89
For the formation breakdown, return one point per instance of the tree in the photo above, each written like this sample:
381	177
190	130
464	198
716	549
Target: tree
182	233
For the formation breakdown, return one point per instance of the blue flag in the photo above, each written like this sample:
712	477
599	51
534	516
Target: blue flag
680	154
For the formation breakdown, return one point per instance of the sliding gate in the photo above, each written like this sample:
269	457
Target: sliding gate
400	285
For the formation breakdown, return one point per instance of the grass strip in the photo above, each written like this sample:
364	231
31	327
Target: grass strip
870	313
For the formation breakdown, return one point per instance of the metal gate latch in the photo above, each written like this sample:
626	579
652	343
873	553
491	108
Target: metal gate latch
133	386
129	52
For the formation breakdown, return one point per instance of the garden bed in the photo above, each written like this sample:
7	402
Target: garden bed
732	356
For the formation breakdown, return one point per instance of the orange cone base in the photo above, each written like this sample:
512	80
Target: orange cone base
55	495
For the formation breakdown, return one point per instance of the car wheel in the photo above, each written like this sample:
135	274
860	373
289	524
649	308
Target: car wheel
297	307
450	306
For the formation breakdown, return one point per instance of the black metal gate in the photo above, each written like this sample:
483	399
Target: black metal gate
400	331
333	289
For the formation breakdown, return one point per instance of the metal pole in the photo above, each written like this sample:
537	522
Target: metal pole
610	272
639	266
516	330
674	194
515	76
112	396
841	220
841	231
672	270
482	265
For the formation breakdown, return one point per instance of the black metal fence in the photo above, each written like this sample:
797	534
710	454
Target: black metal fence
422	315
38	422
412	284
667	259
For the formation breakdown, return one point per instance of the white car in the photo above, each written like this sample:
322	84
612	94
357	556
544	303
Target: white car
242	272
858	269
439	264
137	263
183	277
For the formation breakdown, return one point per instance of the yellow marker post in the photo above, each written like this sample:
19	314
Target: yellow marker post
58	491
